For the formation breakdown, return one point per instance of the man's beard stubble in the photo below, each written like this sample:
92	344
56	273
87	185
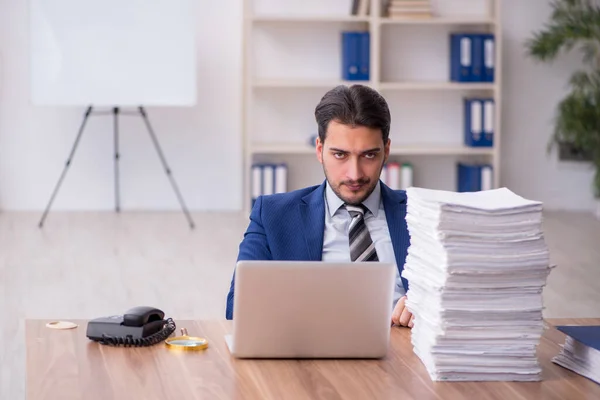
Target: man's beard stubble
362	181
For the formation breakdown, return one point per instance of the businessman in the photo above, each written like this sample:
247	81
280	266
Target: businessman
352	215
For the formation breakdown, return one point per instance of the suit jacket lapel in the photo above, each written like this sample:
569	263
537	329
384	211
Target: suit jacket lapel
312	215
395	214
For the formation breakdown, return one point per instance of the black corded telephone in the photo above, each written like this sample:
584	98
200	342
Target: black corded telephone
139	326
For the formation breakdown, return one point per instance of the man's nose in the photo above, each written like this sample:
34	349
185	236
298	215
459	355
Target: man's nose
354	171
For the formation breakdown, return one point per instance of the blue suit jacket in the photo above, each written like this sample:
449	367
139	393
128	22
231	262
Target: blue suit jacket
290	226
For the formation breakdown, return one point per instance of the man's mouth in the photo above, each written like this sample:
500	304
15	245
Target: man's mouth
355	186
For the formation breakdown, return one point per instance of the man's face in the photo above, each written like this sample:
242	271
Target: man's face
352	159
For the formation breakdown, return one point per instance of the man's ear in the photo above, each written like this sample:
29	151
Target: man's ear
319	150
386	150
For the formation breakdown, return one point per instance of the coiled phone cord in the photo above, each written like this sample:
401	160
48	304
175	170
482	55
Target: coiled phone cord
129	341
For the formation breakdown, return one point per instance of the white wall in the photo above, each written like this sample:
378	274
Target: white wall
531	92
202	144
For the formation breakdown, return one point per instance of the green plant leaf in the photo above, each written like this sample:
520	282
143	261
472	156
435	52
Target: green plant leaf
575	24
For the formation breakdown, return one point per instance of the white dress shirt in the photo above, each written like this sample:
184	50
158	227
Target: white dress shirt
336	246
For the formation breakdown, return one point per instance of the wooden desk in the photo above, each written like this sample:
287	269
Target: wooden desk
66	365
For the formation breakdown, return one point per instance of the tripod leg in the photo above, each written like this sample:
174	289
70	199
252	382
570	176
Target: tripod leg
116	126
68	163
167	169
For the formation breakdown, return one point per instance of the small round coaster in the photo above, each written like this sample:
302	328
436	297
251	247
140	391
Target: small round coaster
61	325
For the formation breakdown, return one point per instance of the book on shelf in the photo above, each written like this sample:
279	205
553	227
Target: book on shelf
356	49
478	122
409	9
268	179
489	54
360	8
397	176
406	176
474	177
472	57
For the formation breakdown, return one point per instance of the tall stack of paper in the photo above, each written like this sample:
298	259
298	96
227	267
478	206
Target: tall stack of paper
409	9
476	267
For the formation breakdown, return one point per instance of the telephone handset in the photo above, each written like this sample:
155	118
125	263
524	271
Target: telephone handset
139	326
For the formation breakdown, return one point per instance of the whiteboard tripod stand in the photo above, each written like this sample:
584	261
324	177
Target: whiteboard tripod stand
115	111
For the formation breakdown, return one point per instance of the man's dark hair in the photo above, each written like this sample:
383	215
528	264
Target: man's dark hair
356	105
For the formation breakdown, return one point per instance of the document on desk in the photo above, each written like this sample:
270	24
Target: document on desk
581	351
476	267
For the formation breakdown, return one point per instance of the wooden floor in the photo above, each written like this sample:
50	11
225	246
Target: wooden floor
86	265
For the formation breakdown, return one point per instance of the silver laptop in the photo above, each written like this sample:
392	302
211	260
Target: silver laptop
309	309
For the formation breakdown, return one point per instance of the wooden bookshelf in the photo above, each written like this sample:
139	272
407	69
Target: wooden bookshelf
266	93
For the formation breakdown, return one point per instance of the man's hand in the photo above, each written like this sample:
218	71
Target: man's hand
401	316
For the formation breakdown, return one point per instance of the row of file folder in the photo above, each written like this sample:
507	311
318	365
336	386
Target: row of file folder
474	177
268	179
273	178
356	55
397	176
472	57
479	122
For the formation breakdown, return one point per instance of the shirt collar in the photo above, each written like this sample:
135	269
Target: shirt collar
371	202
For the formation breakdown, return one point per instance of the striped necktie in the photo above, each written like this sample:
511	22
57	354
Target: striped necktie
362	247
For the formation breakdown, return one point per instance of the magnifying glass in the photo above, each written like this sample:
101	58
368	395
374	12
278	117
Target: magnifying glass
186	342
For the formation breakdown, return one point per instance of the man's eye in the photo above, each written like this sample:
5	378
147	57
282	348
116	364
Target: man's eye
339	155
370	155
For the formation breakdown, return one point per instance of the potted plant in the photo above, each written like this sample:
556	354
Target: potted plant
575	25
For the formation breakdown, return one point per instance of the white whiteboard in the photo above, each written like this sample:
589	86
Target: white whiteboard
113	52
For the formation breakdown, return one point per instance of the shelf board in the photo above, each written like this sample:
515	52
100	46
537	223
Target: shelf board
437	86
327	84
452	20
300	83
307	18
437	149
456	20
283	148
